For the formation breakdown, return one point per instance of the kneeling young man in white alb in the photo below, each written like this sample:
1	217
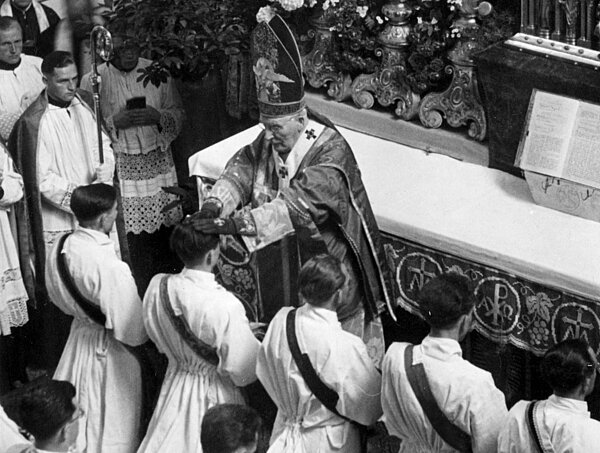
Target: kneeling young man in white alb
88	281
432	398
321	377
561	423
203	330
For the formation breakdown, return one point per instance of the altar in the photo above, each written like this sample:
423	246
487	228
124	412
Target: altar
536	271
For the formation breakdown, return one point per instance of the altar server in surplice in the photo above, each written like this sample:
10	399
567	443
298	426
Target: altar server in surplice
13	296
20	75
432	398
309	420
55	147
142	135
87	281
203	330
562	422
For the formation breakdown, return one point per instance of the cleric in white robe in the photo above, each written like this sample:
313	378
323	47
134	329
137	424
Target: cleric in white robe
13	297
304	424
203	330
20	75
562	422
54	145
96	358
468	399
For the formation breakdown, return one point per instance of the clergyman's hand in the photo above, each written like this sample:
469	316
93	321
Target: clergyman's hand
235	225
211	208
145	117
123	120
215	226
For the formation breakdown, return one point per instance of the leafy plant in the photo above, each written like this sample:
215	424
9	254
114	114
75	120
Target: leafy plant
186	38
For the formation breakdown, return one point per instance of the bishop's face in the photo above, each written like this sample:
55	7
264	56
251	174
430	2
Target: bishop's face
283	133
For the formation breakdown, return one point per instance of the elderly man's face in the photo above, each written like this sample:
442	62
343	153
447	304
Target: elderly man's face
283	132
127	52
11	44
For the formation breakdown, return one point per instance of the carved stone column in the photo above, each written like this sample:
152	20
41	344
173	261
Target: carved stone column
318	66
388	85
460	104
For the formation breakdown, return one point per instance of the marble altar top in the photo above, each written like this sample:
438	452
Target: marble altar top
468	210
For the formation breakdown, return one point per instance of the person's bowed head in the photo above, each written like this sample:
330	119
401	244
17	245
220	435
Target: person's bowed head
47	410
230	428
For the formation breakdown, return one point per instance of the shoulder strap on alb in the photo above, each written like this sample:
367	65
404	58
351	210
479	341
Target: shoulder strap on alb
326	395
452	435
179	323
533	429
89	308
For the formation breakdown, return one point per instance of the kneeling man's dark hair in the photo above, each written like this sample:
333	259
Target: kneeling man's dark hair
189	243
566	365
227	427
445	298
89	202
44	407
319	279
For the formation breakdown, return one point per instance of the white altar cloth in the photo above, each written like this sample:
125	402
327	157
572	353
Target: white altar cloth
474	212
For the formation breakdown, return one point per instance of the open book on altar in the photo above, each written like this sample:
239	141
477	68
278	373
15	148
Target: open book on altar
561	138
560	153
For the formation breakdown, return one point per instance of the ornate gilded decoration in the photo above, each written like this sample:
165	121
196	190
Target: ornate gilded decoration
388	84
460	103
318	66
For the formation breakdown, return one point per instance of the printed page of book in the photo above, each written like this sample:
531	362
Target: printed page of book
545	142
583	159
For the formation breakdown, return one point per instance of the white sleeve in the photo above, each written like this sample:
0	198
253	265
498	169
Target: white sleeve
514	434
12	183
109	156
358	386
488	416
53	187
237	347
122	304
171	114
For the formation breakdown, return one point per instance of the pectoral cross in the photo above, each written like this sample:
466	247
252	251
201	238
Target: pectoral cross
310	134
283	172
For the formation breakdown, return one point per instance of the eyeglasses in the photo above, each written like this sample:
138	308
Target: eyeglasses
127	44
